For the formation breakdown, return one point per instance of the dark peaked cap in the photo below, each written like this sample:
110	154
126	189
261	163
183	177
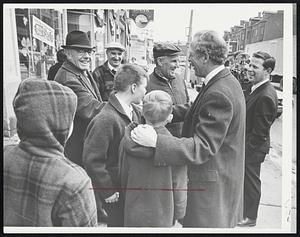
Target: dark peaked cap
165	49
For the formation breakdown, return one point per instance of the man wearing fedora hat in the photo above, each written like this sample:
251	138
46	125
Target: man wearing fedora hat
104	74
74	73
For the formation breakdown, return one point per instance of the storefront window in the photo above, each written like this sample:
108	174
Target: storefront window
39	36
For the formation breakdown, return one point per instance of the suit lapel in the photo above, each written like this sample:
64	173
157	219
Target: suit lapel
67	65
86	84
255	93
221	74
94	86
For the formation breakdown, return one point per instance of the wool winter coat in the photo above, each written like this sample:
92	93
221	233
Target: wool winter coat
101	144
213	145
89	105
42	187
154	195
176	88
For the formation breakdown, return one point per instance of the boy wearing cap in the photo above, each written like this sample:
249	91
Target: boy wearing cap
155	196
104	74
164	77
41	186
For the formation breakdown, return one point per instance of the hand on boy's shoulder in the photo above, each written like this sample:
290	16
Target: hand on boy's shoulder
144	135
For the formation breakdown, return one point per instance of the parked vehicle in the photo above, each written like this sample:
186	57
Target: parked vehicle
280	105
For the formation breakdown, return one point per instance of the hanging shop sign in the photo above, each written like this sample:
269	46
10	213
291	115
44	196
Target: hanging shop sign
141	17
42	31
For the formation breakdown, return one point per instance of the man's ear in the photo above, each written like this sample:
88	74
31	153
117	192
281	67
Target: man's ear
205	56
133	88
269	70
159	61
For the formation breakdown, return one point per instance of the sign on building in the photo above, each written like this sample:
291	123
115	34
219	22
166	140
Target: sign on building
141	17
42	31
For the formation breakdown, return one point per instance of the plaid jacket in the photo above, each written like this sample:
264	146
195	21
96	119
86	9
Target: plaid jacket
41	186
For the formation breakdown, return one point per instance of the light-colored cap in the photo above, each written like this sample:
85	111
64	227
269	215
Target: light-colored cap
115	45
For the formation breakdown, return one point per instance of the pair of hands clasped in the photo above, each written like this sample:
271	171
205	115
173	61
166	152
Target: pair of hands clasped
113	198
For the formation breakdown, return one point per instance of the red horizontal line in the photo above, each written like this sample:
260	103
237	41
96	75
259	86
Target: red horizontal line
146	189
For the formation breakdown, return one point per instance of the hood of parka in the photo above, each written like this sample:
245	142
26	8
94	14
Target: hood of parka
45	111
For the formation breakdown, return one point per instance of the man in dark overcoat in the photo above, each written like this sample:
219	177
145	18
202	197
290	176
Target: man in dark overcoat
75	74
261	110
213	139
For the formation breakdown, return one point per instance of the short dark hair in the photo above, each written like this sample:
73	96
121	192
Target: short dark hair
269	61
157	106
61	56
127	75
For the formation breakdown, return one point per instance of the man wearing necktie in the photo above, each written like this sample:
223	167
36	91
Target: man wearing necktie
104	74
261	110
75	74
103	136
212	142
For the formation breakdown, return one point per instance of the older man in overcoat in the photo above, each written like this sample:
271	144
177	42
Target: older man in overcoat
213	139
75	74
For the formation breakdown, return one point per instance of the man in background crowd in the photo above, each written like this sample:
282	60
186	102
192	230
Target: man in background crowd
261	110
165	78
61	57
104	74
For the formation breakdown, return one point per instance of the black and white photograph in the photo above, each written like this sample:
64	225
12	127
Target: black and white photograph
149	118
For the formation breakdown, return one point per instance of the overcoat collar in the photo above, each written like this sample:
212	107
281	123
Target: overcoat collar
107	69
257	91
223	73
114	102
70	67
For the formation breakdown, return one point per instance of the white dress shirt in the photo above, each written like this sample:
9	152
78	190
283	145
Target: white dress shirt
214	72
112	68
254	87
127	108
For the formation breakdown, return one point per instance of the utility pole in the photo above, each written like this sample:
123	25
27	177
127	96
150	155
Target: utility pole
186	72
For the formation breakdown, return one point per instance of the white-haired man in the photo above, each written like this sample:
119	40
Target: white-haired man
213	139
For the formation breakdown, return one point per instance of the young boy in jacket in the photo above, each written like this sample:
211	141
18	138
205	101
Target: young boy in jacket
155	196
103	136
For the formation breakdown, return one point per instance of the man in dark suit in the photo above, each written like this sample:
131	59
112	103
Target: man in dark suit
261	109
75	74
212	142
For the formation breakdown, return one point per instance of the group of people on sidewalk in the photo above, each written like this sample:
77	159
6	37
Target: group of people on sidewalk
130	149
